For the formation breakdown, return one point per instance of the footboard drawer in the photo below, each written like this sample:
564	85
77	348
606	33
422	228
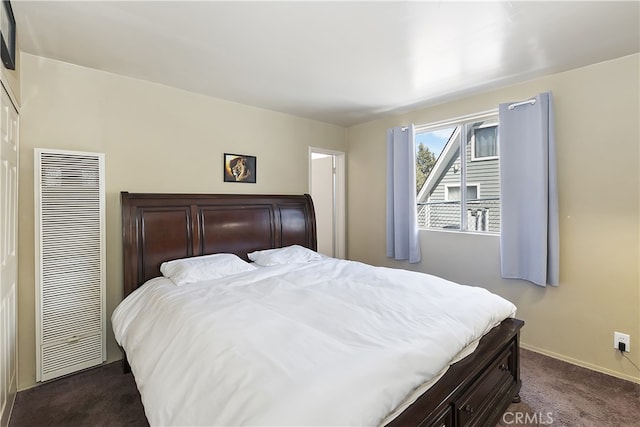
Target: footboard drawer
478	404
445	419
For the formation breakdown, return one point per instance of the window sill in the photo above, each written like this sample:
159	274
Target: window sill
464	232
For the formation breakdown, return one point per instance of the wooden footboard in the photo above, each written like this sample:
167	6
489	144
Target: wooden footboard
475	391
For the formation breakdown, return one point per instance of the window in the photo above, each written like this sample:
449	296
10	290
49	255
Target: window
441	171
484	144
452	192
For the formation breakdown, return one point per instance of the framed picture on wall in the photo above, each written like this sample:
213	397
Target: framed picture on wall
239	168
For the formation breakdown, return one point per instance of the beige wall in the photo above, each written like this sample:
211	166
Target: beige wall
156	139
598	139
162	139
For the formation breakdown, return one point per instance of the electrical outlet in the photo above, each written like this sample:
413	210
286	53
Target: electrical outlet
619	337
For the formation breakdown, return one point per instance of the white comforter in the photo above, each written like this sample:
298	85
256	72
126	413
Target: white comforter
323	343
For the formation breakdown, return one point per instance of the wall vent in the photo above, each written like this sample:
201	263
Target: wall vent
70	261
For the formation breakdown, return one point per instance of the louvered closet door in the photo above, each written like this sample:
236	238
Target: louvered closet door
70	265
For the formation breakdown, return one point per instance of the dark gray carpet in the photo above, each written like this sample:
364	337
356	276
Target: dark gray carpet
553	393
561	394
99	397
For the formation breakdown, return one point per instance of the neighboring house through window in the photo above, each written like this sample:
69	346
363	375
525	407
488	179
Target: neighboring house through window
441	172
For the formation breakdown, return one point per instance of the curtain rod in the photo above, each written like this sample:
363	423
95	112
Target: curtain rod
455	120
468	116
517	104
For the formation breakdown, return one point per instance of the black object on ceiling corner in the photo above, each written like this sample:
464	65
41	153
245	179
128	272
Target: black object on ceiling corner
7	35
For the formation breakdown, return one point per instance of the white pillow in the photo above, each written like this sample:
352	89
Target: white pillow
197	269
287	255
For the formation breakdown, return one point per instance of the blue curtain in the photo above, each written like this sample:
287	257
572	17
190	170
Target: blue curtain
402	216
529	229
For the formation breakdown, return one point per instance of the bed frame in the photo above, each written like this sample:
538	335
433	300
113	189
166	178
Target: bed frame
161	227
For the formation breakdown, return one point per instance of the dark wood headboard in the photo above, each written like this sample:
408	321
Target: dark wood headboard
159	227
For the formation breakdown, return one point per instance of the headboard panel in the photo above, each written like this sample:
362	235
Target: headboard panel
243	228
160	227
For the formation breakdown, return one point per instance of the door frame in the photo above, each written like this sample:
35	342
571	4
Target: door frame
339	197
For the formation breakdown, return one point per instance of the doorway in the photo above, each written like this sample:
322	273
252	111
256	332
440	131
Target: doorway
327	188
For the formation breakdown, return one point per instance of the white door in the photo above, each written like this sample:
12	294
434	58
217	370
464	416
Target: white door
8	254
327	188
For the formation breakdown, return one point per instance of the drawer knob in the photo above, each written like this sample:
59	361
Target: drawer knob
504	368
469	409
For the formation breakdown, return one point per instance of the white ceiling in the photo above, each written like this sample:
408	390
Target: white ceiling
338	62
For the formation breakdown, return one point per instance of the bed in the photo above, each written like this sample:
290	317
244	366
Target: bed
474	390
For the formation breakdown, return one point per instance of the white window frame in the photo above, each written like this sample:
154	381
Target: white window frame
491	117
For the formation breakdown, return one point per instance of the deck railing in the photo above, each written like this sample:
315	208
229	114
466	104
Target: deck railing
482	215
